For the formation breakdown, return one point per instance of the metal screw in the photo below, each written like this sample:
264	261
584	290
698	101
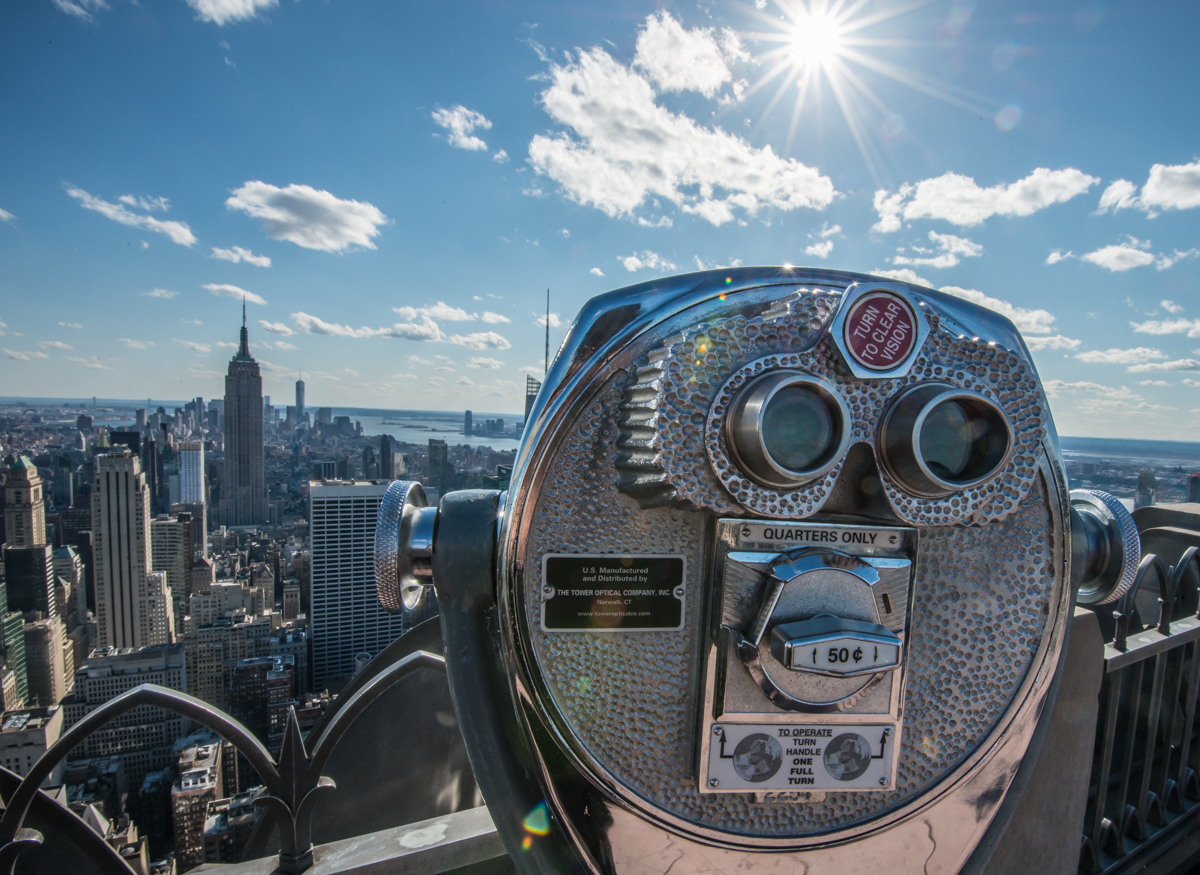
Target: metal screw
713	782
547	590
679	592
883	782
887	731
716	730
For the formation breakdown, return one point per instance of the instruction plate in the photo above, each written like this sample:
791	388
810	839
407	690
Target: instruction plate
613	592
771	756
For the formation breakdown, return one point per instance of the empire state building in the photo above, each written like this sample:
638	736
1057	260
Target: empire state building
244	487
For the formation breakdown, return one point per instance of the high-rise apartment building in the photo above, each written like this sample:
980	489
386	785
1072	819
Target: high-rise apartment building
345	617
244	489
144	737
45	646
171	553
24	505
199	783
133	605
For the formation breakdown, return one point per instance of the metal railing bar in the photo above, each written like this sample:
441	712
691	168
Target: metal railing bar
1152	715
1189	716
1148	643
1131	739
367	694
1115	682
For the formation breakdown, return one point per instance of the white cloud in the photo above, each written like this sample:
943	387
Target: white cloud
961	201
283	344
460	122
222	12
81	9
1136	356
681	60
596	271
820	250
1174	187
556	321
436	311
565	233
228	291
225	344
194	346
1120	195
416	359
905	275
179	232
1165	261
950	247
483	362
149	204
623	148
1057	341
425	330
23	356
1170	306
1058	255
1057	387
307	217
1157	382
1190	327
137	344
500	157
63	324
480	340
1123	256
1168	187
237	253
663	222
54	344
1027	321
717	264
276	327
493	318
160	293
1177	365
6	216
647	259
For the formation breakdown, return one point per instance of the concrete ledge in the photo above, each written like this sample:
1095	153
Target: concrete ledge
423	848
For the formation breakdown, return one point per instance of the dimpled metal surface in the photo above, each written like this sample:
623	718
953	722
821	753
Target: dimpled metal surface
628	700
674	413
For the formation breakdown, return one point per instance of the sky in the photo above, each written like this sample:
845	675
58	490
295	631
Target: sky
393	187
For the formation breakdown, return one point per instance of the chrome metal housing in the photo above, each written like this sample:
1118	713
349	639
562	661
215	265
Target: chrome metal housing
900	438
1106	547
562	492
744	429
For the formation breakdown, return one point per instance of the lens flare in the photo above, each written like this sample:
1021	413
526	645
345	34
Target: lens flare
537	821
1008	118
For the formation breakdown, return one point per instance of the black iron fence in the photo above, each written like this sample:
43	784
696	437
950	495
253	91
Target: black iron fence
1145	792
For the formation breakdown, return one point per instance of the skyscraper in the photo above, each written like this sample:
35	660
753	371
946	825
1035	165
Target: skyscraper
300	400
133	605
24	505
346	618
244	491
191	472
468	426
386	469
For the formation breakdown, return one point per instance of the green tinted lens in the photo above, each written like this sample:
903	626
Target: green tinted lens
797	429
947	439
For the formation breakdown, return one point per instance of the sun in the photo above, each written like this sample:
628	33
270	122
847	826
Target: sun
816	39
836	47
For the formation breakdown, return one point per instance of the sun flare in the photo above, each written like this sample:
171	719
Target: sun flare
835	48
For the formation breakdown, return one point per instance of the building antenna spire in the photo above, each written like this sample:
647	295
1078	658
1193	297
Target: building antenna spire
243	311
546	360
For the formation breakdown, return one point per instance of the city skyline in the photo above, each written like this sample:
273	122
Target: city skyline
394	218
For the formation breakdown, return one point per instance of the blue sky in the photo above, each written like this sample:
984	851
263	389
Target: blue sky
396	185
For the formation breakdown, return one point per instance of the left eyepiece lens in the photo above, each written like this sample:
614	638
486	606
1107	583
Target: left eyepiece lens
786	429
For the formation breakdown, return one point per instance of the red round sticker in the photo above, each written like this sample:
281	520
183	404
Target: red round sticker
880	330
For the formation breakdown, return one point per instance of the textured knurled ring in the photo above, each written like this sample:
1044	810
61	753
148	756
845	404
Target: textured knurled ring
1129	535
387	543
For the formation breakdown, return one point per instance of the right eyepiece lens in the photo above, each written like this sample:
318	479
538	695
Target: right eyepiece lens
938	439
946	440
798	431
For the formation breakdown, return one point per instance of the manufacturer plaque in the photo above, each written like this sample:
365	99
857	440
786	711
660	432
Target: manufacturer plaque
613	593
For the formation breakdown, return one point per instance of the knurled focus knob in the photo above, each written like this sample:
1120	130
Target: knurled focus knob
404	532
1105	547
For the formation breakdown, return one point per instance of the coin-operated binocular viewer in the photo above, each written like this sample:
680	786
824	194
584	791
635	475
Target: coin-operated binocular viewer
781	583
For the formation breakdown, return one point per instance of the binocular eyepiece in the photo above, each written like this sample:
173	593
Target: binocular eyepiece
784	568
